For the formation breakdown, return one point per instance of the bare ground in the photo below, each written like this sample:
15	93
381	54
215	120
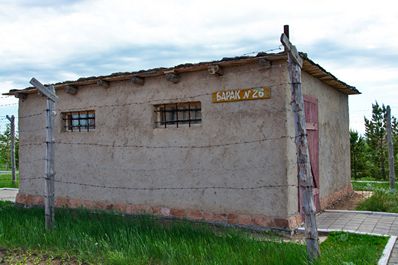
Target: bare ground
352	201
28	257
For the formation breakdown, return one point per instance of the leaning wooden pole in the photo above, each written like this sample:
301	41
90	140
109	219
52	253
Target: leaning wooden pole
12	152
49	92
390	149
305	178
49	166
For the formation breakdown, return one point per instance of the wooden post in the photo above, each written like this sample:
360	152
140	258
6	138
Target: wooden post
305	178
12	121
49	92
390	149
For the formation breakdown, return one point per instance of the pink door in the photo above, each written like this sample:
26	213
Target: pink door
311	118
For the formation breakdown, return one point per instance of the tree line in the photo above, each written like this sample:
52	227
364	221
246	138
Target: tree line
369	152
5	149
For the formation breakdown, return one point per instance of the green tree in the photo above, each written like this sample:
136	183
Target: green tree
375	135
5	149
358	155
359	158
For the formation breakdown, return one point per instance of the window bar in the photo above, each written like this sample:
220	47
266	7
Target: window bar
164	115
189	114
177	114
71	121
78	119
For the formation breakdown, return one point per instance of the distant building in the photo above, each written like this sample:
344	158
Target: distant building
210	141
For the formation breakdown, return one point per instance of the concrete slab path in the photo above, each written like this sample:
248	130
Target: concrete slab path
361	222
8	194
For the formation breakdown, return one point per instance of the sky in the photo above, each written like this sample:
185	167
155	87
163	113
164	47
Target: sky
55	41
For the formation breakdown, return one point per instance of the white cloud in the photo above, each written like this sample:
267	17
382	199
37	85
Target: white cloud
43	38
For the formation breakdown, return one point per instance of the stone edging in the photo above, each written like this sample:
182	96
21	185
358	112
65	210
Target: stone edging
9	189
326	231
362	212
387	251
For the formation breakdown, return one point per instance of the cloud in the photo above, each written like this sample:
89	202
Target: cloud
66	39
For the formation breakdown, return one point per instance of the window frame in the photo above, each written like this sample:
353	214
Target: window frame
176	110
88	116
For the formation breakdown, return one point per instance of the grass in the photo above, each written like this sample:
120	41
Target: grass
382	200
369	186
103	238
344	248
5	181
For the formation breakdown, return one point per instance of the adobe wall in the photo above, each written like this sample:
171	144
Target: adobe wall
238	145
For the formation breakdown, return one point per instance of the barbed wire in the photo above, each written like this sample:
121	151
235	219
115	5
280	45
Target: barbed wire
165	188
9	104
154	101
23	117
32	130
113	145
279	48
173	188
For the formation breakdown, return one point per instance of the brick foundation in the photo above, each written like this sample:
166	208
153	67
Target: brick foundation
192	214
336	196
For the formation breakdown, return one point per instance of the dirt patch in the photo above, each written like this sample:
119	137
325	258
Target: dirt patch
352	201
28	257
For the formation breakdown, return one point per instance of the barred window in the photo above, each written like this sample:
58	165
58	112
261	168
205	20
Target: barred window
178	114
79	121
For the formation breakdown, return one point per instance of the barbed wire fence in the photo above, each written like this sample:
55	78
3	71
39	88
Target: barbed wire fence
36	128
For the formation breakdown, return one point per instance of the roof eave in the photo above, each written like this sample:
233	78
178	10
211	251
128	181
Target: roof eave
320	73
309	66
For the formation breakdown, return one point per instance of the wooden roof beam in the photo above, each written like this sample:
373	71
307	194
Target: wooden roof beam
21	96
103	83
215	69
138	80
172	76
264	63
71	90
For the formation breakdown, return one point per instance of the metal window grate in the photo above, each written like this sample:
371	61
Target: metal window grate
178	114
79	121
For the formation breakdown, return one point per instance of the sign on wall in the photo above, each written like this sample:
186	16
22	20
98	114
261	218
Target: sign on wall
241	94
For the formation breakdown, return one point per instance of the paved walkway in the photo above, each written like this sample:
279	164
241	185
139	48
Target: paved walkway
362	222
7	194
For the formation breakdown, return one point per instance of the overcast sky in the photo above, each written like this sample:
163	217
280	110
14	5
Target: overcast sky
64	40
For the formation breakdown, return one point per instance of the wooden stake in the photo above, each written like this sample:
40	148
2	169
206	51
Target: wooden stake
390	149
12	121
305	179
49	166
49	92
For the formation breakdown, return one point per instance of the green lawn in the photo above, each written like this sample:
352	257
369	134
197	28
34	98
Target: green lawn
370	186
5	181
104	238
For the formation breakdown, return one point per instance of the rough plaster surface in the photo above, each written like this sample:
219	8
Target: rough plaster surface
124	117
137	155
